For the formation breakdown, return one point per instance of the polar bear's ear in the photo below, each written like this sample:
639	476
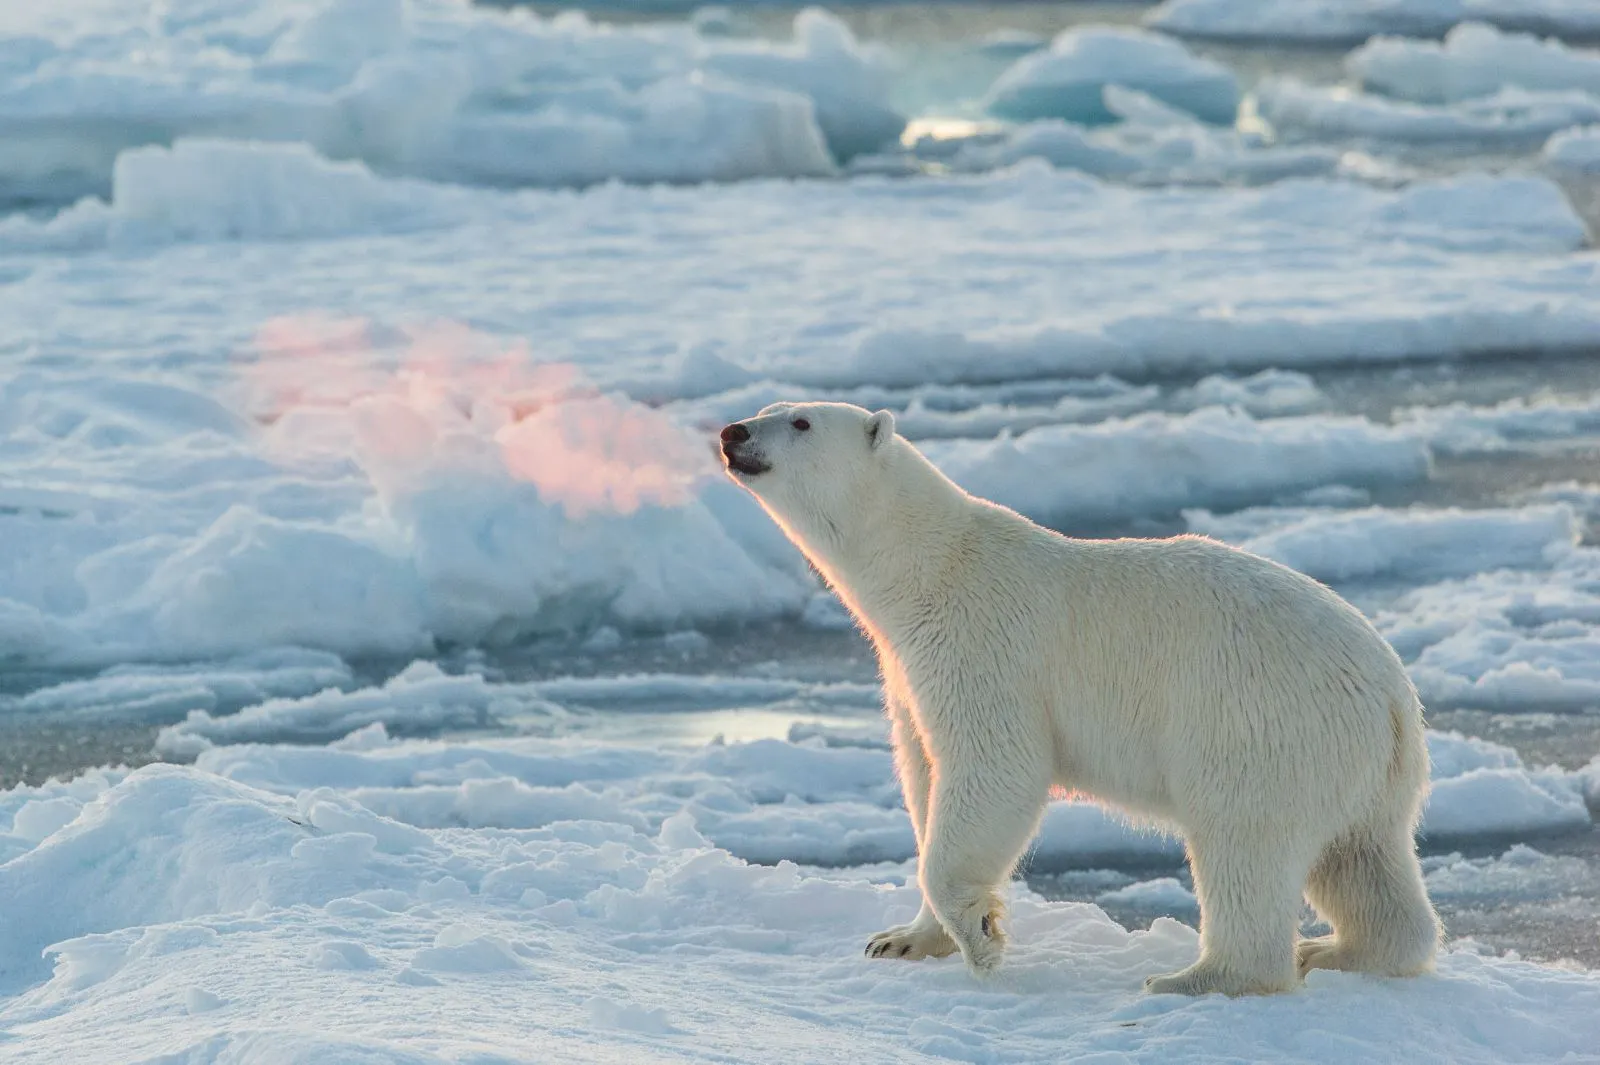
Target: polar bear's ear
880	427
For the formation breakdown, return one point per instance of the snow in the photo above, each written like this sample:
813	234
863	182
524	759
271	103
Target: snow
297	921
1517	640
206	189
825	796
1353	21
136	689
1068	80
1474	60
432	89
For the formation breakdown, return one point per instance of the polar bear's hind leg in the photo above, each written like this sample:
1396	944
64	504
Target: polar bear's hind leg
1369	887
1249	887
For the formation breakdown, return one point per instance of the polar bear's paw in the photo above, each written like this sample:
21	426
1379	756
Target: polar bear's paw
1321	953
919	939
1203	979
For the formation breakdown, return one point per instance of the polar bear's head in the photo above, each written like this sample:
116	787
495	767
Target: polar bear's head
812	465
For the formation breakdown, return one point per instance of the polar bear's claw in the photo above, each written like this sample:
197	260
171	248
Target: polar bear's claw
911	942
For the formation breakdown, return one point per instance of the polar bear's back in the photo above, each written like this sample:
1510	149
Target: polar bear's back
1169	665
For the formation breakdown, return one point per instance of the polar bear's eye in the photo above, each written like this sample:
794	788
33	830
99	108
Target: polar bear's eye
801	424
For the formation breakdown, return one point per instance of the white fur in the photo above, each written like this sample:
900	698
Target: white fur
1183	680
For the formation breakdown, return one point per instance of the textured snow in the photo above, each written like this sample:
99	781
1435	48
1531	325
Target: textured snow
379	893
1459	429
824	796
1068	80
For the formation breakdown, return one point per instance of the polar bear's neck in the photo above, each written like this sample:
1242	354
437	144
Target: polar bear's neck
896	548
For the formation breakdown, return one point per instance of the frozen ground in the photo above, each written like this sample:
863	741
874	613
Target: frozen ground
370	493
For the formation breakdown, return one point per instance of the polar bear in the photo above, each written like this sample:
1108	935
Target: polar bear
1187	682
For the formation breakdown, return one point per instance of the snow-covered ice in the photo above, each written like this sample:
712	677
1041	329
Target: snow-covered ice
1474	60
1505	639
826	795
430	88
435	882
437	483
1419	544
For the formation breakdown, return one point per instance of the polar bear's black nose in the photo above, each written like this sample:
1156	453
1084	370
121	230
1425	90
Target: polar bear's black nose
735	434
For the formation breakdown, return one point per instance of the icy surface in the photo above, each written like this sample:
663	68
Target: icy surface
824	796
431	88
1508	639
1068	80
435	879
364	480
1152	143
1510	118
1353	21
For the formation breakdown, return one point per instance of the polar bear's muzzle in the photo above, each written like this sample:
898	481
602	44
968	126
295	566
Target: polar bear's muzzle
739	453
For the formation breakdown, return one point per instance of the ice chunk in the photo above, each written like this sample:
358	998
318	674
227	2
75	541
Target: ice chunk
1415	545
826	65
1508	118
1572	158
1069	79
1474	60
1153	463
1162	895
1509	640
1574	150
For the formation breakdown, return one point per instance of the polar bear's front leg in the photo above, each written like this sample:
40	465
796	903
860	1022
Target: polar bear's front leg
986	804
924	937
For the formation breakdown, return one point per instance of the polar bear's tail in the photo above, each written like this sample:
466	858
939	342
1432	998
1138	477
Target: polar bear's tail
1408	761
